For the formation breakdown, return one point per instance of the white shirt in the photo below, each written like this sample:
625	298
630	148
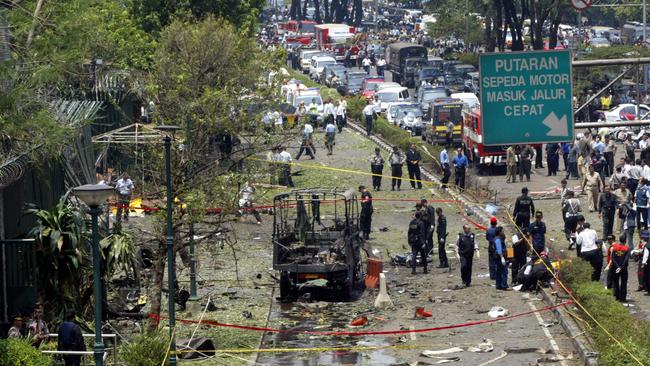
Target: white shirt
329	109
124	186
381	62
587	240
635	172
340	110
330	128
366	62
369	110
646	172
308	128
284	157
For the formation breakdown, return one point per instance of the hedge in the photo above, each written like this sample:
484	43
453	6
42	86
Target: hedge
20	352
633	333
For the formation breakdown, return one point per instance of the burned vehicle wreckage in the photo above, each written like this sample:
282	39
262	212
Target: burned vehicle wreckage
316	241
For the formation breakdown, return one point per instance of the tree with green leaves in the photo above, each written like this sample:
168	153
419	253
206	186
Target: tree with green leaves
207	80
454	21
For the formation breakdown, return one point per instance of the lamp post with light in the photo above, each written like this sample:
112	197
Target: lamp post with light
171	275
95	195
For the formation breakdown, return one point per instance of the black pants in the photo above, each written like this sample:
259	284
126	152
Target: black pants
595	258
396	172
428	240
518	262
609	157
460	178
466	268
608	222
524	169
304	149
285	177
414	175
522	220
446	173
415	250
72	360
365	220
619	283
442	253
565	158
376	179
368	125
570	224
572	171
124	200
340	123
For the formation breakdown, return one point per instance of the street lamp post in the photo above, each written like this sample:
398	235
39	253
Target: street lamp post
94	195
171	274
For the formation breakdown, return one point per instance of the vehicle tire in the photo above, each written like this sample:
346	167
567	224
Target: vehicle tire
285	285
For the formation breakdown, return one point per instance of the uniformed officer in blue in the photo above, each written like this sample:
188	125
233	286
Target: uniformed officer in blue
466	246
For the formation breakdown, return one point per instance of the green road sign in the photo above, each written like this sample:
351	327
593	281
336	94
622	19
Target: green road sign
526	97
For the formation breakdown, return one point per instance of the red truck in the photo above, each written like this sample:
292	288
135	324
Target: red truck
485	158
329	35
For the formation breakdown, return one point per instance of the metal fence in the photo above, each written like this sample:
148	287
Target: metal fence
87	359
18	276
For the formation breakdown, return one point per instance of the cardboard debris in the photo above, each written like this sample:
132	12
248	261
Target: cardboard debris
498	312
433	354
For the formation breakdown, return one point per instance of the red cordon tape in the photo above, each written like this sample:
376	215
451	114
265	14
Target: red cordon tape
478	226
377	332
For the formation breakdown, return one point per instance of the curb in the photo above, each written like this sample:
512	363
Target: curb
470	208
581	341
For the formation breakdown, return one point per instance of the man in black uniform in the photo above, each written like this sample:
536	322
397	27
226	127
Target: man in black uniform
429	219
465	248
376	168
524	208
441	230
607	205
365	217
413	164
416	234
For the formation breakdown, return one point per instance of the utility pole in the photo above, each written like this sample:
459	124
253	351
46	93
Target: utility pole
644	21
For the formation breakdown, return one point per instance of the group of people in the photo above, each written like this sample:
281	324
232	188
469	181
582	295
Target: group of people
397	159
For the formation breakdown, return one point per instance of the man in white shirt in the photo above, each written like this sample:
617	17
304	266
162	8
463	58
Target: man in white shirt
590	251
124	188
366	65
381	64
284	158
340	115
368	112
329	113
330	134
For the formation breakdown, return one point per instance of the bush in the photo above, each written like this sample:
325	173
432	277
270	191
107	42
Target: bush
355	107
20	352
469	58
147	349
633	333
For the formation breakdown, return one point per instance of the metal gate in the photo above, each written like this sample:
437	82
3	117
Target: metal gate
18	277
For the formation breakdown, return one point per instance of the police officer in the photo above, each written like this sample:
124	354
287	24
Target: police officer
538	232
416	237
524	208
441	230
365	217
413	158
466	246
490	235
429	219
607	205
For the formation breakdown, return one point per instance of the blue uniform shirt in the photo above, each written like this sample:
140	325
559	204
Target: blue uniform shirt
461	161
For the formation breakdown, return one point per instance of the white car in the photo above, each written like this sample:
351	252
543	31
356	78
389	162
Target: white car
391	111
470	100
625	112
392	95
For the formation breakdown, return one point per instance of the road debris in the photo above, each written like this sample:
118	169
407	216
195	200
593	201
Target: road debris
484	347
502	355
498	312
359	322
446	351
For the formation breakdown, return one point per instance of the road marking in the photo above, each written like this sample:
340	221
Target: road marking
548	334
412	334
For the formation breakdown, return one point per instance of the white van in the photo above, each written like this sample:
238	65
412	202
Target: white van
470	100
318	64
392	95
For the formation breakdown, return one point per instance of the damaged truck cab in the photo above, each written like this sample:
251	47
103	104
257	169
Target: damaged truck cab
316	241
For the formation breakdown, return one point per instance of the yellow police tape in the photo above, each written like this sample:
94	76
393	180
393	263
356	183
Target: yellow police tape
575	300
325	167
306	349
